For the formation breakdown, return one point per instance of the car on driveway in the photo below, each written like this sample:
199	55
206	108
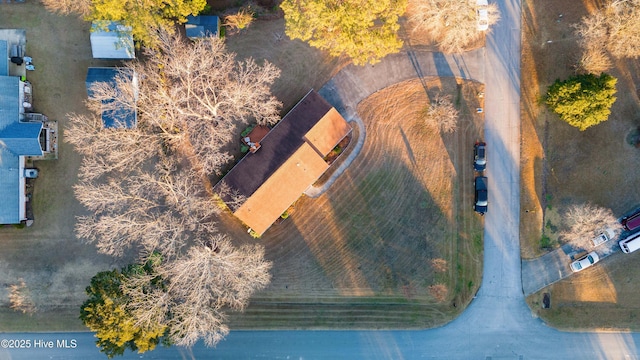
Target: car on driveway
585	262
606	235
481	199
483	14
632	222
480	156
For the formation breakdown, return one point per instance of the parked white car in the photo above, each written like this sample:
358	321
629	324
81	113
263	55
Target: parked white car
585	262
606	235
483	14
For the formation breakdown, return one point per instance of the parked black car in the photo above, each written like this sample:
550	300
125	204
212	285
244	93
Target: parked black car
480	156
481	200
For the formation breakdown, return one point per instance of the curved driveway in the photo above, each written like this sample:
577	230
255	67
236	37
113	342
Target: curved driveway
498	324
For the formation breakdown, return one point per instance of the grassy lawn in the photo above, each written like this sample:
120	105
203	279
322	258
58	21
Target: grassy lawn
393	243
562	166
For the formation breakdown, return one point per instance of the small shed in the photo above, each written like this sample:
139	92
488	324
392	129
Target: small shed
111	40
202	25
120	117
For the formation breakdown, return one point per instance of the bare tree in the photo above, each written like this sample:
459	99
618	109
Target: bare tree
585	222
592	37
451	24
197	94
614	29
147	188
441	113
233	198
150	211
20	298
197	289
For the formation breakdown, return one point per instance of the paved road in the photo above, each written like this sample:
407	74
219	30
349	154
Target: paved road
497	324
554	266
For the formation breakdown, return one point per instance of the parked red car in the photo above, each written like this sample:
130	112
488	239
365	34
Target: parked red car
631	222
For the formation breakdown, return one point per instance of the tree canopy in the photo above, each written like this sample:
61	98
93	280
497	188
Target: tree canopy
453	25
583	100
586	221
363	30
145	17
147	190
614	29
105	312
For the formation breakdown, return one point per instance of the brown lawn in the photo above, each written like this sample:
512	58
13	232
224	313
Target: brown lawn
394	243
562	166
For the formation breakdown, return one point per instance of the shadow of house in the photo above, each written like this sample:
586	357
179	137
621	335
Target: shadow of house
202	26
111	40
290	158
114	115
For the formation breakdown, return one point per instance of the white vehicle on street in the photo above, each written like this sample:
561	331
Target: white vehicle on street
483	14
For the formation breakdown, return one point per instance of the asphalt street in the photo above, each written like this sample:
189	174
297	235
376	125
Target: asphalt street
497	325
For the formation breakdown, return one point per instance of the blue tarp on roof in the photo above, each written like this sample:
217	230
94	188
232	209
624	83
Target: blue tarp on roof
119	117
4	58
202	25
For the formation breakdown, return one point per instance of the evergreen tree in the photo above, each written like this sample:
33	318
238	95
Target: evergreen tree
583	100
105	313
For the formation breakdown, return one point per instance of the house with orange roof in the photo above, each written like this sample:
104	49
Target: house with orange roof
287	160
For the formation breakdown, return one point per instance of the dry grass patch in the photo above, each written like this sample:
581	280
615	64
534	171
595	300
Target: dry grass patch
397	226
53	264
562	166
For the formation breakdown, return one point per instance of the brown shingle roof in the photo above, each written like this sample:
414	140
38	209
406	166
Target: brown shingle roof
280	190
289	161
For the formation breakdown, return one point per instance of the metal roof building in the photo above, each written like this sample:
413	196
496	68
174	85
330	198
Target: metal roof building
4	58
111	40
119	117
202	25
17	140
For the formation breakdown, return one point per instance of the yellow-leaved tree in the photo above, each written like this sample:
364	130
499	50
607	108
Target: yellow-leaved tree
145	17
363	30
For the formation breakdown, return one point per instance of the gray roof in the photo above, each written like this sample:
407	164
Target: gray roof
111	40
16	139
202	25
119	117
4	58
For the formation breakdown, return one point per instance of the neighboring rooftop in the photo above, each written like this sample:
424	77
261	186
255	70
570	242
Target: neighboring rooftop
17	140
202	25
111	40
290	159
121	116
13	44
